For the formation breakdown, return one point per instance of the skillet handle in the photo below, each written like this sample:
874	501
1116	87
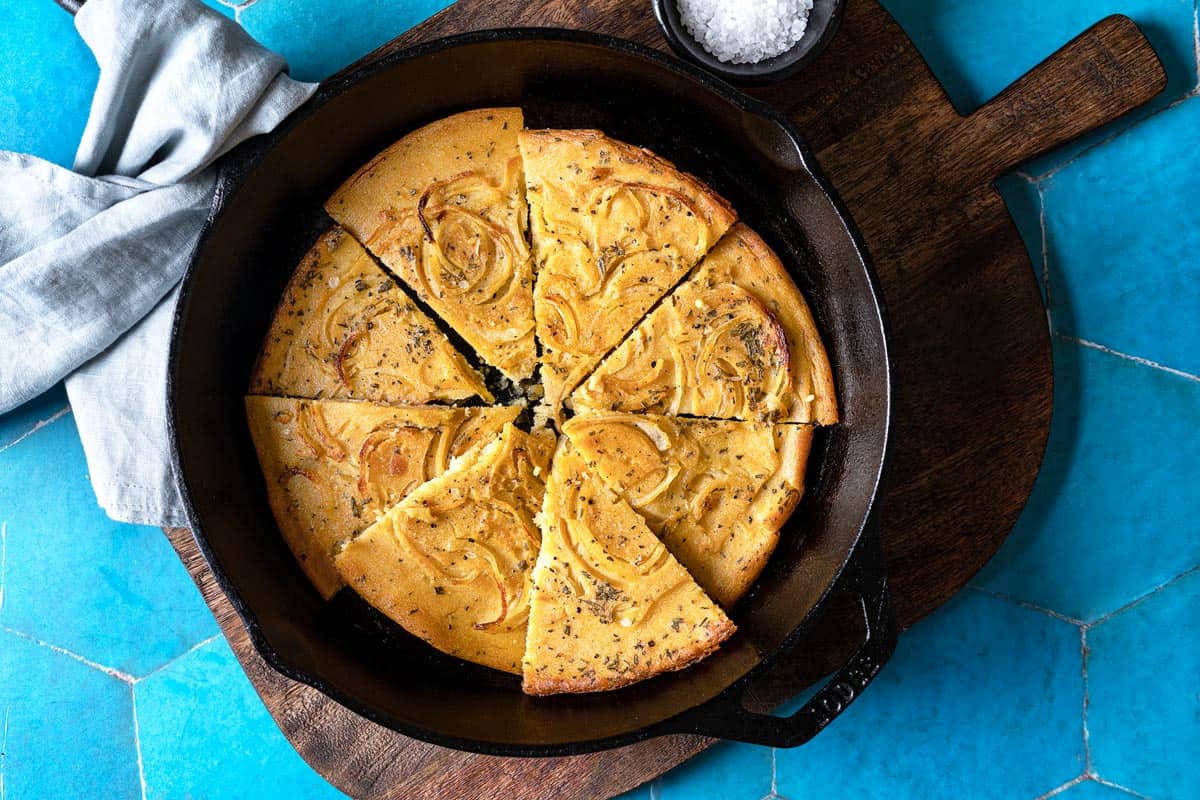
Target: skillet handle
726	717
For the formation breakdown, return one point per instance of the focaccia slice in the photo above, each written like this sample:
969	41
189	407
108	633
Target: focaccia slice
444	208
614	228
610	605
344	329
735	341
333	466
715	492
451	562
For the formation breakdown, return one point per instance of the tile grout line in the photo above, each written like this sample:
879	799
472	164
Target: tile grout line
1196	42
137	739
1118	787
1041	192
110	671
1084	653
1117	134
41	423
1141	598
654	793
173	659
1057	790
1025	604
1145	362
774	774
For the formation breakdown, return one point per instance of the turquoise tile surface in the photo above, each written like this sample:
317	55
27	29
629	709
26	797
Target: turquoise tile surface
1092	790
709	774
46	83
1123	237
1113	514
303	30
66	728
976	49
205	733
37	412
981	700
114	682
113	593
1144	690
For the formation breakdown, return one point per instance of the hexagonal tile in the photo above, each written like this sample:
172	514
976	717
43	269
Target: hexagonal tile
729	770
205	733
1124	246
1107	518
114	593
982	699
24	419
66	728
1144	694
319	37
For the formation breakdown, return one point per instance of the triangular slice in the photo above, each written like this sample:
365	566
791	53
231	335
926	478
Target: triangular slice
333	466
734	341
451	562
715	492
610	605
344	329
444	208
614	228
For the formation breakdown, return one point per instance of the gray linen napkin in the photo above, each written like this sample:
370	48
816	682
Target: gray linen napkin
90	259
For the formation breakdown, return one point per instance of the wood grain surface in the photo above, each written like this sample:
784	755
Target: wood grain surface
968	335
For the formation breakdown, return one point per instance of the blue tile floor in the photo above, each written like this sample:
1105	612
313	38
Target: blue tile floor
1070	668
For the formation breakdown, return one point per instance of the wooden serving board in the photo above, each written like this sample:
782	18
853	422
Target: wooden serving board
969	339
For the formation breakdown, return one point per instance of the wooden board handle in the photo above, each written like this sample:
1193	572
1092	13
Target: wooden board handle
1106	71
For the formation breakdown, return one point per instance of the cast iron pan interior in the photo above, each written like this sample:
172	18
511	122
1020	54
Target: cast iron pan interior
268	212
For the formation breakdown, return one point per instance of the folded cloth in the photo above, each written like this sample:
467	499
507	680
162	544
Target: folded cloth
89	259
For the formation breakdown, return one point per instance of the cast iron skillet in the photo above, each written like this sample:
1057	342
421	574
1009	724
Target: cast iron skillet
266	213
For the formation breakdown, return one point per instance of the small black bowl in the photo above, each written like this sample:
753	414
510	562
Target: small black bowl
822	25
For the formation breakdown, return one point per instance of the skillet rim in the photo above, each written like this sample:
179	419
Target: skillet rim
232	171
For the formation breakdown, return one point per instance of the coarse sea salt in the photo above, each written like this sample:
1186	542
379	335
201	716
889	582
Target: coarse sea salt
745	31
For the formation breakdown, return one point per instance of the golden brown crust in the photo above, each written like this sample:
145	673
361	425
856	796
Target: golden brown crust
715	636
715	492
444	208
609	604
614	227
734	341
345	330
332	467
451	562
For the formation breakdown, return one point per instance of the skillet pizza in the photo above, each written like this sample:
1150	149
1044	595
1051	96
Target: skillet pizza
663	379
